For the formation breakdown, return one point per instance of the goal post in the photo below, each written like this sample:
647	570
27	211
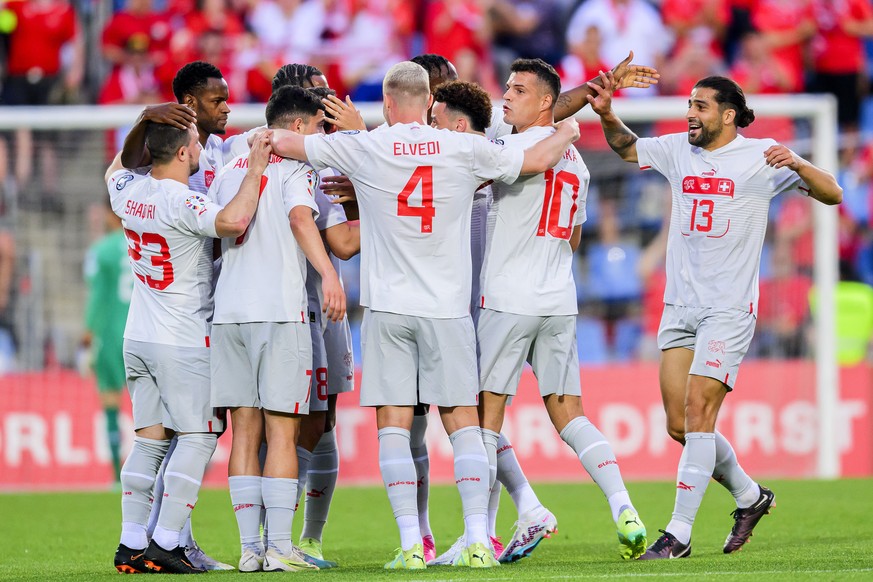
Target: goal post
821	146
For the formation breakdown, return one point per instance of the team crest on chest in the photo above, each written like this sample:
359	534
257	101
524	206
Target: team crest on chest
208	177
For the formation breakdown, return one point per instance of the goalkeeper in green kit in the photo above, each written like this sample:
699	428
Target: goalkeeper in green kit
110	283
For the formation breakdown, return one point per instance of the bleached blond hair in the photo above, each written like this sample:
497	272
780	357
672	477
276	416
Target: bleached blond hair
407	81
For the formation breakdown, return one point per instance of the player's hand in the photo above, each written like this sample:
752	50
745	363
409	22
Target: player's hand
259	155
779	156
343	114
334	297
338	188
602	103
628	75
569	127
175	114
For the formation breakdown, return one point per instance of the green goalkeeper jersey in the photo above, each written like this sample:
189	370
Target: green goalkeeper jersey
110	284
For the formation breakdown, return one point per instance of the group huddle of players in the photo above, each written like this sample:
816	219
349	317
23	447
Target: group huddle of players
468	220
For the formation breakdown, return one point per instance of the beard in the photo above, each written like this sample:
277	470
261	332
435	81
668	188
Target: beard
706	136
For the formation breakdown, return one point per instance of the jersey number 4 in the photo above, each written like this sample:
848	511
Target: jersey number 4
426	212
551	216
161	261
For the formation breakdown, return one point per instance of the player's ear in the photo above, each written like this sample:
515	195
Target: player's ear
297	125
429	101
729	116
461	125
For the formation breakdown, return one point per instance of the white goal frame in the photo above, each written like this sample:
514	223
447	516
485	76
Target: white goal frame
819	110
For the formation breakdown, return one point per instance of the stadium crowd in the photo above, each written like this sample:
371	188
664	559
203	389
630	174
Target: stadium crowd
127	51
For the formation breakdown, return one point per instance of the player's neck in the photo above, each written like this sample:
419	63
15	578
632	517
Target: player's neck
173	171
544	119
203	136
398	115
725	138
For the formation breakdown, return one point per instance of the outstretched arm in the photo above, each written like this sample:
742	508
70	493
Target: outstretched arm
626	75
822	185
344	240
289	145
546	153
621	139
134	154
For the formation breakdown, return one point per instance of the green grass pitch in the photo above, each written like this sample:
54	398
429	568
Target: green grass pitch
818	531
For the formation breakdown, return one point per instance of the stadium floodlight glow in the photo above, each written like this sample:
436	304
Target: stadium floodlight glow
819	110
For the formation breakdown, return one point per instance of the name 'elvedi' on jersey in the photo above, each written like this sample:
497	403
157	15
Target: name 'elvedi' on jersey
427	148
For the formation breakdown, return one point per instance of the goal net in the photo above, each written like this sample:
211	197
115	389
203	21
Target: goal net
785	411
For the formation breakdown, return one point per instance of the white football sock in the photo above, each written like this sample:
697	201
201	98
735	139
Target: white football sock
695	470
731	476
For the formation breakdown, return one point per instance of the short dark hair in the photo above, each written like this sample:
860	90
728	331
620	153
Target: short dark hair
290	102
468	99
437	66
295	74
545	72
193	77
728	94
321	93
163	141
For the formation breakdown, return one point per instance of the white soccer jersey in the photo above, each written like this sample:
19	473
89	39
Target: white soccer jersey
211	161
169	232
528	268
329	214
721	200
498	127
238	145
415	188
263	275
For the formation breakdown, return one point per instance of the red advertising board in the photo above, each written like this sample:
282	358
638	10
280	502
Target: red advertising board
52	435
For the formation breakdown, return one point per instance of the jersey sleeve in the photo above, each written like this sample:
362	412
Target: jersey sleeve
118	183
298	187
498	127
344	150
783	179
657	153
329	214
496	162
582	201
196	214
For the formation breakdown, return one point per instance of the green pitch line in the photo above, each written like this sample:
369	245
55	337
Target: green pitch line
818	531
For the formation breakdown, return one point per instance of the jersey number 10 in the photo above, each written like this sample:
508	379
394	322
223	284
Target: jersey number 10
551	216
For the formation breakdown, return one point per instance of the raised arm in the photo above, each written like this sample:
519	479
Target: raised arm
134	154
234	219
626	76
546	153
307	236
289	144
822	185
621	139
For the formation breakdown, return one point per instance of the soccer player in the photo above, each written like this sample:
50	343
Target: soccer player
263	350
528	302
110	284
415	189
722	184
333	361
166	340
466	107
202	94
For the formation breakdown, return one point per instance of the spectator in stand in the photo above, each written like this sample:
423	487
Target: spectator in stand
460	31
526	30
786	26
699	23
756	70
624	25
373	42
134	80
783	307
138	18
838	53
289	31
37	75
581	63
687	65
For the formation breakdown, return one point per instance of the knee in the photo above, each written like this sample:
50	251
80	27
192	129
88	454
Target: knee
676	431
